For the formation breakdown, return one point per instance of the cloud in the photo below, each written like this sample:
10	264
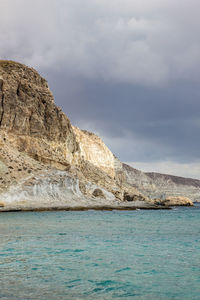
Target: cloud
144	42
164	122
127	69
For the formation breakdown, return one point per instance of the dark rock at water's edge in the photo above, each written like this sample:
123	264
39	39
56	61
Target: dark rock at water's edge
82	208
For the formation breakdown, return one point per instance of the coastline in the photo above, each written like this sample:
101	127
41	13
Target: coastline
83	208
46	163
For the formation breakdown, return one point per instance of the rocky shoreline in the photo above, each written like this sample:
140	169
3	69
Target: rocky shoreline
82	208
48	164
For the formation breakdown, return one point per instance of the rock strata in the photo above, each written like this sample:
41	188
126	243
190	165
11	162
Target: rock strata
46	163
38	141
93	149
161	186
27	110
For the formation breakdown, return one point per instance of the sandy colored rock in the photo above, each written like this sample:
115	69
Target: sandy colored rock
161	186
37	138
27	110
179	200
46	162
93	149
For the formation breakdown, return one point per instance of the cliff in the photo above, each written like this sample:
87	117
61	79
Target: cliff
28	112
93	150
161	186
46	163
44	160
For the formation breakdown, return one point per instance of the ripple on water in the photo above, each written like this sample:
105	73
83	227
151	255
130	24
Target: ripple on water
100	255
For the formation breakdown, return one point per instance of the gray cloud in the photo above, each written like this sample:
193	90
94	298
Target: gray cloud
142	42
127	69
164	121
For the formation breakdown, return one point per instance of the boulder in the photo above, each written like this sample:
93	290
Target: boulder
178	201
2	204
98	193
134	197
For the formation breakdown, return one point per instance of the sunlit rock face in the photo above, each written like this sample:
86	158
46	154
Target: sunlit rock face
101	166
93	149
37	137
45	162
54	189
27	109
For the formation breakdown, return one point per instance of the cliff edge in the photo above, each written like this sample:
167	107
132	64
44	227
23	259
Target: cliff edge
46	163
162	186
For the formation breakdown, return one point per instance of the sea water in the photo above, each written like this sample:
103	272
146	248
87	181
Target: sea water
143	254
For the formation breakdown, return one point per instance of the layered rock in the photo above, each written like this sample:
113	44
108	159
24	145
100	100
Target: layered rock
161	186
98	164
37	139
93	149
45	162
28	111
96	154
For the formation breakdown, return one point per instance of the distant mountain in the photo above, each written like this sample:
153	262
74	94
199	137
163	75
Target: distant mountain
157	185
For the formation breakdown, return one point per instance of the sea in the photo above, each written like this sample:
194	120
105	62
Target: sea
141	254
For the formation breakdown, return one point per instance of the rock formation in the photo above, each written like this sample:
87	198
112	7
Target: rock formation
161	186
42	155
27	110
93	149
46	163
173	201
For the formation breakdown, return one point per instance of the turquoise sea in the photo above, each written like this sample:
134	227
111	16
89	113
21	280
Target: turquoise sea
143	254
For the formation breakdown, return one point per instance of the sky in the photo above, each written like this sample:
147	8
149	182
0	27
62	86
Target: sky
128	70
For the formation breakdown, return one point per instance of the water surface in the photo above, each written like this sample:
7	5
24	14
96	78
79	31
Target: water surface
143	254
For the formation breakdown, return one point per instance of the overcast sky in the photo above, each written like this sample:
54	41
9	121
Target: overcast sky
129	70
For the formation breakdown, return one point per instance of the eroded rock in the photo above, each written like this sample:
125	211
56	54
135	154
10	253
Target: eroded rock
161	186
178	200
98	193
44	160
27	109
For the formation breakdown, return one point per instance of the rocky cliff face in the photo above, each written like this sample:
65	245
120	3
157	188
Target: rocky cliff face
27	105
93	149
28	111
45	162
100	166
38	142
161	186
